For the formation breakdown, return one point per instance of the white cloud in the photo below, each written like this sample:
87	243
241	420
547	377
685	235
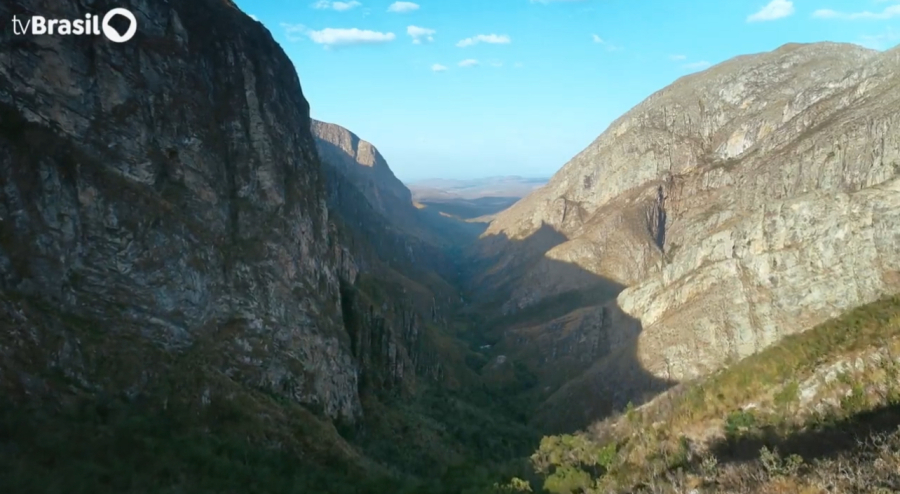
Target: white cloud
332	37
420	33
776	9
696	65
518	65
554	1
485	38
403	7
597	39
438	68
344	37
496	63
254	17
888	13
294	32
677	58
470	62
339	6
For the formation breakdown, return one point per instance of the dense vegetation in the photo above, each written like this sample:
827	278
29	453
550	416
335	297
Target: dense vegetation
193	430
793	418
118	445
819	408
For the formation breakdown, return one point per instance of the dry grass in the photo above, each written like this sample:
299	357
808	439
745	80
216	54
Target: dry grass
759	378
795	394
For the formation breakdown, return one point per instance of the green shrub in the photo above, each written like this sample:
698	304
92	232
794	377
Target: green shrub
739	423
568	480
776	466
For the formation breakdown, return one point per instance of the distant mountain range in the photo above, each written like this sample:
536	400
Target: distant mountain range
467	199
501	186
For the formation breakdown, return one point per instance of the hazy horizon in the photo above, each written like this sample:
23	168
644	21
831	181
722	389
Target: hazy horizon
474	178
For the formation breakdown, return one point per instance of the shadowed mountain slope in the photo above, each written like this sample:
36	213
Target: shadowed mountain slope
179	269
202	290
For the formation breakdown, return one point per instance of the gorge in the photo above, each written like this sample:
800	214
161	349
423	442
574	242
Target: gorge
202	289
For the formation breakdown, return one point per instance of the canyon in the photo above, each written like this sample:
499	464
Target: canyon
180	243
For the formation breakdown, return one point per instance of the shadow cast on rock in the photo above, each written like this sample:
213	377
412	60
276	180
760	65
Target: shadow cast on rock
471	208
822	441
581	345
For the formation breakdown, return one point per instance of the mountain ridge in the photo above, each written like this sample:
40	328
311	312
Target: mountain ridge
362	161
674	201
204	290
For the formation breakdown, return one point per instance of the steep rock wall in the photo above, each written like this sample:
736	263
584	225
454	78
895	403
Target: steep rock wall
167	192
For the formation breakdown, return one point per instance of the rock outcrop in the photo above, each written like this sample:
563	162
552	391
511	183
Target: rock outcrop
740	204
166	194
377	208
163	201
364	166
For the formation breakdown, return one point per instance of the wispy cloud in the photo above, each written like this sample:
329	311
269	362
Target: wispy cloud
677	58
496	63
703	64
332	37
518	65
294	32
438	68
419	34
469	62
254	18
339	6
887	13
403	7
485	38
776	9
554	1
883	41
601	41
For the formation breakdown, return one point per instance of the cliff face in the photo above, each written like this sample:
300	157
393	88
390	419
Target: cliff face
407	288
377	208
737	205
427	234
166	194
387	298
410	251
361	162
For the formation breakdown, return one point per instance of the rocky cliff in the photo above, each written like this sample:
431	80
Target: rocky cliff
740	204
378	209
173	249
407	275
427	233
361	162
163	197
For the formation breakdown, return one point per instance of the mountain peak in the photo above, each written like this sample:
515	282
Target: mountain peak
703	194
361	163
362	151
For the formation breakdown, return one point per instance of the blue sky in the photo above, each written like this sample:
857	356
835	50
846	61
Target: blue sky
475	88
